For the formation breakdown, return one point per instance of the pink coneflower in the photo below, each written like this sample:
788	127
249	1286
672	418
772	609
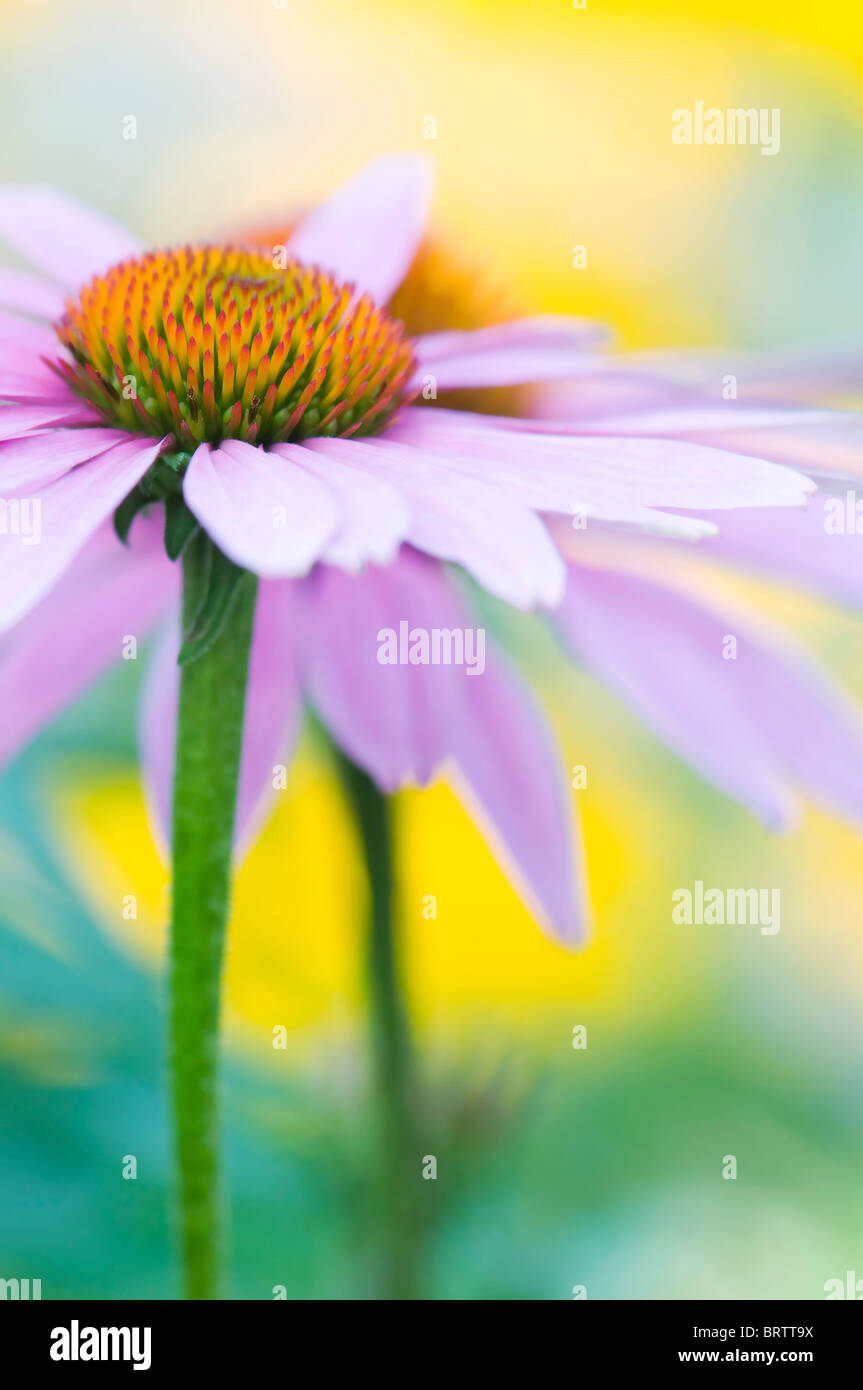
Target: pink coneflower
263	398
260	410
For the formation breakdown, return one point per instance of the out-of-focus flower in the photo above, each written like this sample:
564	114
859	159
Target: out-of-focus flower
266	401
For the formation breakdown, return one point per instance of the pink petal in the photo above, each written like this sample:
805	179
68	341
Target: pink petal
802	372
25	377
545	331
273	710
816	441
793	545
454	517
375	515
21	334
539	349
797	547
32	383
808	723
649	521
621	389
60	236
532	475
17	421
563	472
507	756
157	732
402	721
29	294
29	464
693	421
512	367
663	654
67	512
108	594
395	720
265	513
831	447
368	232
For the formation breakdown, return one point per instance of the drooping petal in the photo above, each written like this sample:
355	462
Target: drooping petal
108	594
56	522
271	722
370	670
375	518
368	232
273	703
515	781
263	511
29	294
61	237
29	464
455	517
667	656
392	716
562	472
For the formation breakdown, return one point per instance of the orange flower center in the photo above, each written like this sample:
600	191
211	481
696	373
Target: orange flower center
223	342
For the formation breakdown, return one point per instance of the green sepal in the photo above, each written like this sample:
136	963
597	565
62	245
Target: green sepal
162	482
180	526
128	509
221	582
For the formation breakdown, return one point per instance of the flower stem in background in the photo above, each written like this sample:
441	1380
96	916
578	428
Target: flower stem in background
392	1049
218	614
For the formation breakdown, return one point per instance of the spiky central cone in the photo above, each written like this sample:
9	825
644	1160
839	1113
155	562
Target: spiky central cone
221	342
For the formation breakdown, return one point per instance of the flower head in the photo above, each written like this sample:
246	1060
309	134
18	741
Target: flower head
216	342
271	397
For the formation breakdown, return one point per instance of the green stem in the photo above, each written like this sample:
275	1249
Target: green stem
392	1050
209	743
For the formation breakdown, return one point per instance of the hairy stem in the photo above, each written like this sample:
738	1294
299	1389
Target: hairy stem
209	743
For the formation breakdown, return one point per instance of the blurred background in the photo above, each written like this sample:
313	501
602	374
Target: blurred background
557	1167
